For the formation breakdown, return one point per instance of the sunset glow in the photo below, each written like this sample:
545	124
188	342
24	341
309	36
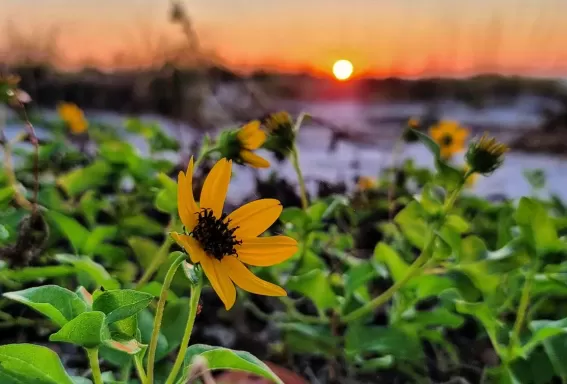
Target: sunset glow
342	69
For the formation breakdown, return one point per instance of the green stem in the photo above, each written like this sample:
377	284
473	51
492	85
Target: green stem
193	307
140	369
300	179
521	314
160	258
159	315
92	354
414	269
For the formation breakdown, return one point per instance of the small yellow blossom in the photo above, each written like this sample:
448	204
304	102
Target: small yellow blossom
223	243
450	137
365	183
74	117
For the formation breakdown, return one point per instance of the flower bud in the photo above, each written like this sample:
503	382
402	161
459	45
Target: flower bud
485	155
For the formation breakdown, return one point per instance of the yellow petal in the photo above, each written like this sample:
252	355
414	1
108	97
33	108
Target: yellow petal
248	130
253	159
192	246
255	140
186	205
266	251
220	281
246	280
215	187
255	217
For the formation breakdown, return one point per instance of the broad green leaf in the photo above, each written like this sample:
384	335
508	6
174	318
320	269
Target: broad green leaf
71	228
166	202
358	276
295	218
87	330
28	363
85	295
414	228
81	380
484	315
144	249
383	253
100	234
96	272
315	285
310	339
316	211
6	194
120	304
382	340
219	358
535	221
556	350
28	274
140	225
4	234
57	303
430	200
457	223
84	179
543	330
376	364
437	317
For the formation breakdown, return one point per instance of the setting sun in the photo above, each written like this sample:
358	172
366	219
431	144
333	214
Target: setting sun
342	69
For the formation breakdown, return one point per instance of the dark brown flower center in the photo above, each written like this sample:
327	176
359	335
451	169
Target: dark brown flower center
447	140
214	235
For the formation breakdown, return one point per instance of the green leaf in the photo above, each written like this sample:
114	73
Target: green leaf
146	326
57	303
4	234
28	363
437	317
537	225
94	270
87	330
357	276
120	304
227	359
295	218
543	330
81	380
430	200
309	339
383	253
6	194
71	228
315	285
414	228
484	315
457	223
84	179
144	249
316	211
100	234
384	341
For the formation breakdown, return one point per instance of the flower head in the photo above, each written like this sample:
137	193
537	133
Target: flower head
365	183
73	116
223	243
410	136
10	92
238	145
281	137
450	137
486	155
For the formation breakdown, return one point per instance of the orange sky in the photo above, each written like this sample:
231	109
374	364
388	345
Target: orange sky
381	37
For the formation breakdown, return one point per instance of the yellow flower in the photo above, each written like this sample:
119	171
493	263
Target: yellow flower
222	243
281	140
450	137
486	155
238	145
413	123
251	137
73	116
365	183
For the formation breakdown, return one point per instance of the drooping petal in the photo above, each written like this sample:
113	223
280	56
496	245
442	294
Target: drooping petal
220	281
246	280
248	130
253	159
215	187
255	217
266	251
192	246
255	140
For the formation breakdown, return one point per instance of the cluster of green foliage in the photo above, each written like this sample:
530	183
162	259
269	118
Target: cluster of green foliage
95	252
